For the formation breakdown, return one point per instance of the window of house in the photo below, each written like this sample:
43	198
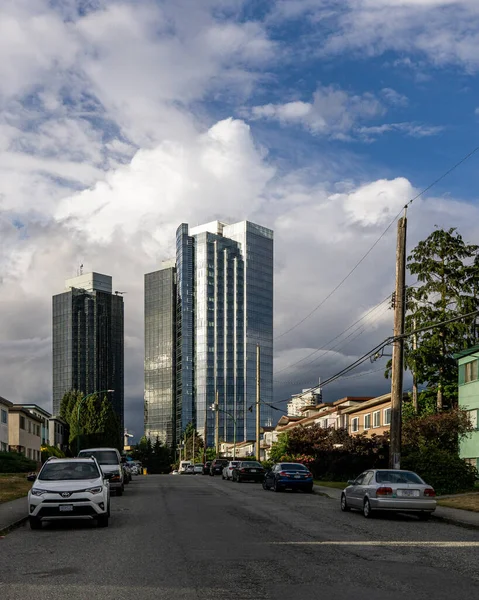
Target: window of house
472	414
4	416
387	416
471	461
3	447
367	421
355	424
377	418
30	427
29	453
22	422
469	372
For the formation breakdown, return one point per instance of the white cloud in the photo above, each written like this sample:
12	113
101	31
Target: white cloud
443	31
332	111
394	97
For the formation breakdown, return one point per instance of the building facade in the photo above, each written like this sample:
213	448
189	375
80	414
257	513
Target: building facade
88	348
5	406
58	432
44	416
224	310
468	362
308	397
160	354
24	432
372	417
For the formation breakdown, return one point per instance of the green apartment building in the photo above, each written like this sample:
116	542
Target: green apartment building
468	361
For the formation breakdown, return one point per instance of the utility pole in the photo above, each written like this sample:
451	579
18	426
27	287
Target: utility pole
414	376
398	346
217	426
258	401
205	435
193	457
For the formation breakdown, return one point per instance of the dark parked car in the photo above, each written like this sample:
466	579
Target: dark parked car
216	467
294	476
248	471
206	468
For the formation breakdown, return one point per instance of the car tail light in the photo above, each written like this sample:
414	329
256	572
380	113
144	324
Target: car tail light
242	470
429	492
284	474
384	491
308	474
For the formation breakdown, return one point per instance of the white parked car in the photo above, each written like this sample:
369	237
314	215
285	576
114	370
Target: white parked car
109	460
69	488
228	470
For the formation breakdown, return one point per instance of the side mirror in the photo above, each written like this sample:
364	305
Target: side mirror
31	476
351	481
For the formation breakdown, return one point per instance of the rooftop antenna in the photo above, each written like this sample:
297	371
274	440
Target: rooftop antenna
117	292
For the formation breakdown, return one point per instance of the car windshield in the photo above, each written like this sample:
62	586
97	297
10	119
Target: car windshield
292	467
251	464
68	471
199	465
104	457
398	477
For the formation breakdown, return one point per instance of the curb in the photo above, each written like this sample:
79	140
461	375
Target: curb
450	521
13	526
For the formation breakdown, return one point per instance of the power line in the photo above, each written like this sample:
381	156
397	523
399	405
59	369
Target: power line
361	260
335	338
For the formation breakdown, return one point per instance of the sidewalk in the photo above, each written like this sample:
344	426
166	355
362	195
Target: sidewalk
464	518
12	514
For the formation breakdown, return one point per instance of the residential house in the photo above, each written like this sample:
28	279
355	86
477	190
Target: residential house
4	415
58	432
468	361
24	432
44	415
370	417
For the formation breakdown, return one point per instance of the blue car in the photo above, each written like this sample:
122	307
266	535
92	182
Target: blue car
294	476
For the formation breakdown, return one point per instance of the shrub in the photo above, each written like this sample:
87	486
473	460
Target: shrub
48	451
446	472
13	462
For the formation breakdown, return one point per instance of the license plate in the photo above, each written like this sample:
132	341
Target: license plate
253	470
297	476
408	493
66	507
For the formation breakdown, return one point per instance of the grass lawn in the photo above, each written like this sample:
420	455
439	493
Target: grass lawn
340	485
13	486
465	502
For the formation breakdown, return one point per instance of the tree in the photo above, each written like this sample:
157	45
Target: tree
192	438
98	424
447	272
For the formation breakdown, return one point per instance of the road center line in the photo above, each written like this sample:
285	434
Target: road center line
419	543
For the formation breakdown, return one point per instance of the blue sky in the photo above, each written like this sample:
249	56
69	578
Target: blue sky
119	119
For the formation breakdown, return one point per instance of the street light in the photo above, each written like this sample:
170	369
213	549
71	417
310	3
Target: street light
78	414
215	407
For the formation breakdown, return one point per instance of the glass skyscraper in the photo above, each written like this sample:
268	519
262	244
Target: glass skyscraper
224	309
160	355
88	340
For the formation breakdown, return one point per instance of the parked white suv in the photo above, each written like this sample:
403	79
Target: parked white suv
69	488
109	460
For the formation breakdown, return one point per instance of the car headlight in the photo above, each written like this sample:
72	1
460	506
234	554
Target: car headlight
38	492
95	490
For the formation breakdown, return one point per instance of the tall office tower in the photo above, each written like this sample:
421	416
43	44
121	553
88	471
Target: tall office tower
88	350
160	354
224	310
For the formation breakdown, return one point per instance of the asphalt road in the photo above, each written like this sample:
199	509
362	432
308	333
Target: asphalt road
184	537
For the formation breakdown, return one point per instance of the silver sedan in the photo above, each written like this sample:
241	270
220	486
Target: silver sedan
389	490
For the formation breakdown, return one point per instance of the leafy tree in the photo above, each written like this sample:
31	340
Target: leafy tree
189	435
98	424
446	268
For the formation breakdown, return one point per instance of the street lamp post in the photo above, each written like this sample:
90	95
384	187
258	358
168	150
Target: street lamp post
215	407
78	414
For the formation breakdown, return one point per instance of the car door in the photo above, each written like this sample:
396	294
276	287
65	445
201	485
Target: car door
353	493
363	487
